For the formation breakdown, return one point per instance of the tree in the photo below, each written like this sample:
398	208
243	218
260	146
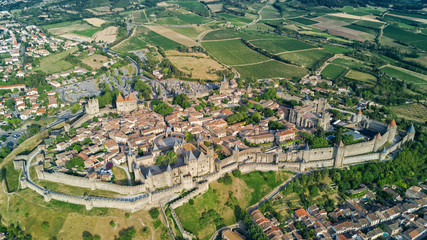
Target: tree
10	103
154	213
189	137
75	108
33	129
75	162
181	100
256	117
168	158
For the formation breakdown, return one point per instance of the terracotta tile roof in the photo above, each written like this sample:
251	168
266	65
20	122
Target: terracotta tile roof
120	98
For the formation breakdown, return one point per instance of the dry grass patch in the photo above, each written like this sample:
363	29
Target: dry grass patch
346	15
107	35
95	61
97	22
198	64
172	35
416	112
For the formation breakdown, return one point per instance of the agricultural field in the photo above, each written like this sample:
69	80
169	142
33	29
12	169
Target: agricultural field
198	64
88	33
271	69
172	35
182	19
97	22
270	13
350	63
365	26
361	76
194	6
216	7
413	39
353	11
95	61
332	71
408	76
303	21
141	37
244	190
55	62
277	46
305	59
335	50
107	35
191	32
415	112
235	20
233	52
337	27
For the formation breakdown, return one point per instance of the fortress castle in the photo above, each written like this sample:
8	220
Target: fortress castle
197	164
126	104
92	107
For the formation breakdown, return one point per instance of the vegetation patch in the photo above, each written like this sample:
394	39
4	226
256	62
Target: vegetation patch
406	37
361	76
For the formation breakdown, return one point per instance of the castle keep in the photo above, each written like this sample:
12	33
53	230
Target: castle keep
126	104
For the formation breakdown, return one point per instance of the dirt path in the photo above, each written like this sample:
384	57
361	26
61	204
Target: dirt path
203	34
268	3
327	62
220	40
249	64
145	14
301	50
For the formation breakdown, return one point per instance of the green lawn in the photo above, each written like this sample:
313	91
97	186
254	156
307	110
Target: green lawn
306	58
233	52
332	71
88	33
281	45
272	69
12	177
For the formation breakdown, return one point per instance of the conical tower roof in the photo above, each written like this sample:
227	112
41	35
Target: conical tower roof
411	129
149	173
393	123
120	98
235	148
169	168
341	144
307	148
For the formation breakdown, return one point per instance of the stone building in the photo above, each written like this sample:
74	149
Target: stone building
126	104
92	106
312	115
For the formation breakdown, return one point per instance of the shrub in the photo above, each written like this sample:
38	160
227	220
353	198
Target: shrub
154	213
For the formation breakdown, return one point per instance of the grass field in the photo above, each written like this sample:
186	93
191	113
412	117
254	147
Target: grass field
271	69
306	58
415	112
360	76
246	191
332	71
304	21
95	61
67	27
69	221
120	176
182	19
349	62
172	35
281	45
354	11
88	33
413	39
233	52
67	189
55	62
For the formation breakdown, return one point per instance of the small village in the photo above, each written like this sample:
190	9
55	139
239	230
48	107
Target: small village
363	218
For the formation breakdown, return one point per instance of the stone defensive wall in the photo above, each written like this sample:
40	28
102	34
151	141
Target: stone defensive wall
87	117
89	183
